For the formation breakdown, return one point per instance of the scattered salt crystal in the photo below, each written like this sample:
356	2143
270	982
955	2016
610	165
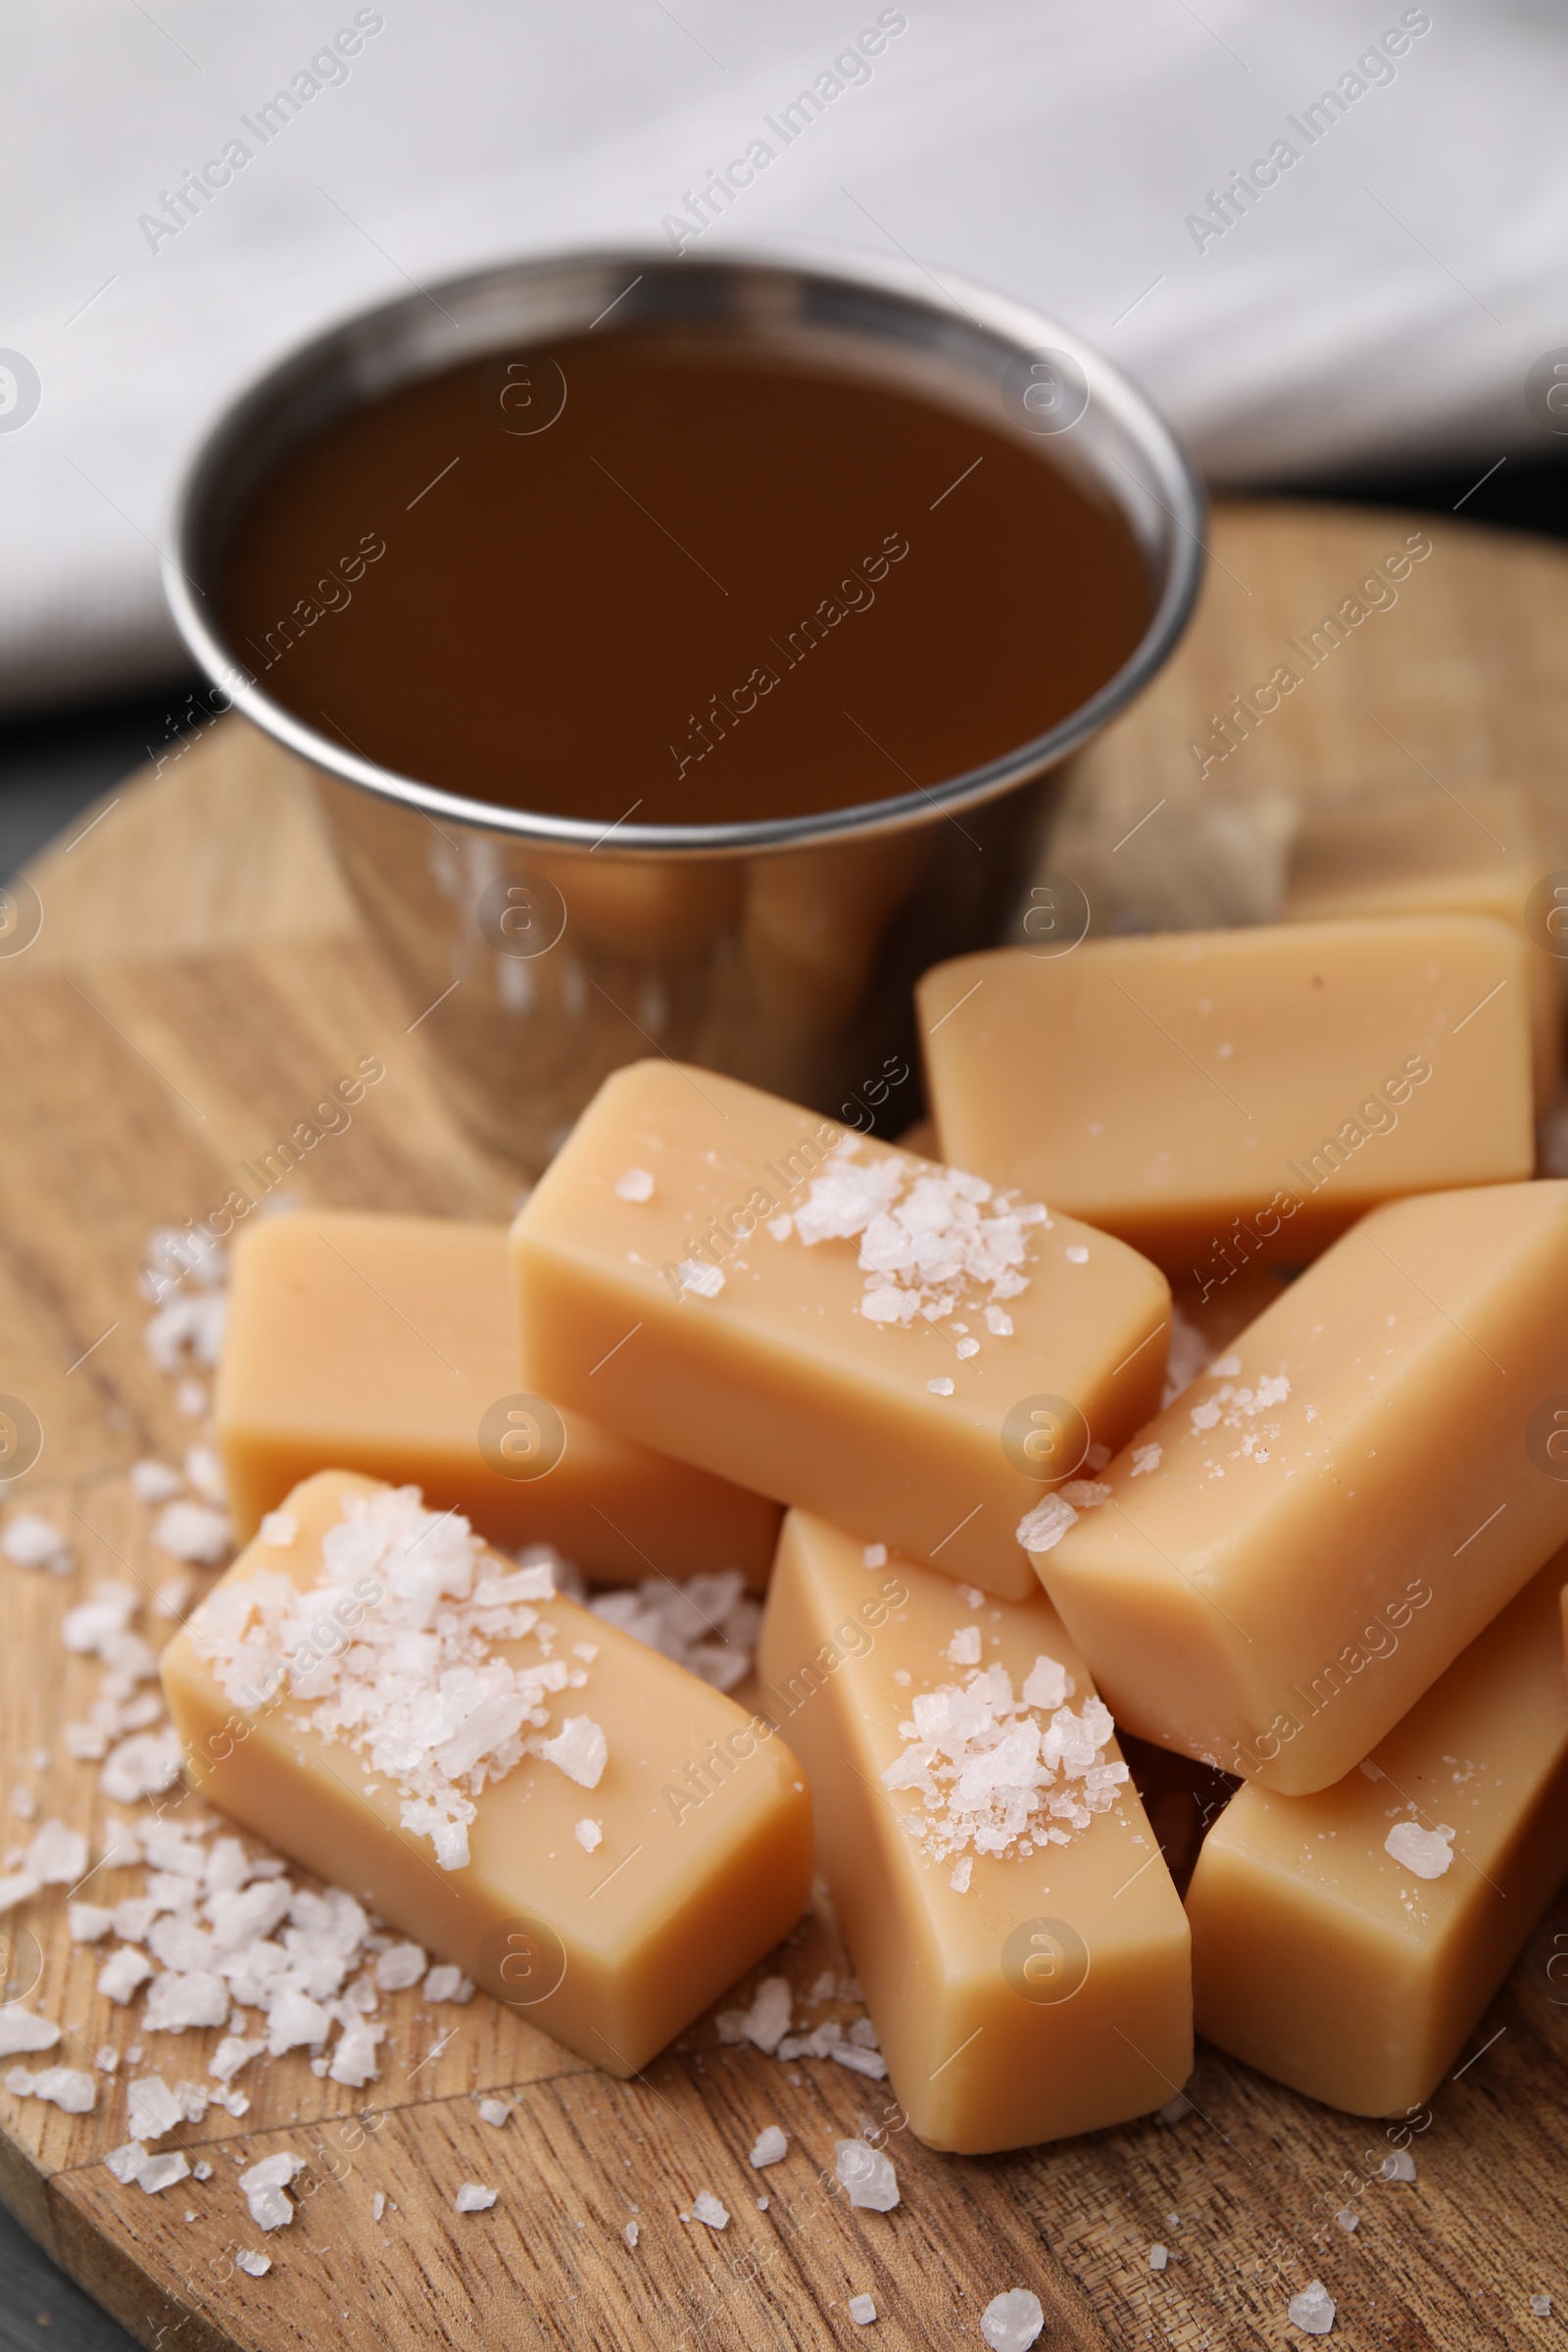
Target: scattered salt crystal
107	2059
706	2208
182	1998
122	1972
205	1472
33	1543
1541	2307
1158	2258
162	2172
965	1348
862	2311
295	2021
770	2147
255	2266
21	2031
142	1766
24	1804
1048	1683
1013	2322
494	2111
579	1749
1346	2219
1399	2166
201	2170
940	1388
63	2086
57	1855
154	1481
17	1887
193	1531
280	1529
1147	1458
401	1966
1312	2310
867	2175
172	1596
965	1647
190	1400
125	2163
631	2233
636	1185
378	2205
960	1881
354	2054
589	1835
999	1322
471	2198
1076	1254
875	1555
1225	1367
1085	1494
767	2019
445	1982
707	1280
1425	1853
154	2108
1043	1528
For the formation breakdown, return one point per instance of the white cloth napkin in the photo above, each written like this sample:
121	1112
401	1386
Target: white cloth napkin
1384	298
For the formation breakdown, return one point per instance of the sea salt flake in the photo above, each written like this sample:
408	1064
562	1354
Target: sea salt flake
637	1184
706	2208
473	2198
1147	1458
158	2173
767	2021
1425	1853
589	1835
63	2086
30	1541
1312	2310
579	1749
771	2148
965	1647
195	1532
255	2266
154	1481
940	1388
1013	2322
354	2060
707	1280
21	2031
862	2310
279	1530
495	2112
447	1982
1348	2219
401	1966
1398	2165
866	2175
631	2233
1043	1528
1076	1254
875	1555
960	1881
122	1973
1541	2307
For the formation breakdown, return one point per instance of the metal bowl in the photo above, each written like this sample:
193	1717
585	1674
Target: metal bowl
781	950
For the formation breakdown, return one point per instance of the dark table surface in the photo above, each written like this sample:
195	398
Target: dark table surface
54	766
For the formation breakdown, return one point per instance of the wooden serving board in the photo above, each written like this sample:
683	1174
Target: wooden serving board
200	977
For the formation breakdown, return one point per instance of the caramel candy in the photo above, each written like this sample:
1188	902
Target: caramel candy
388	1344
595	1835
733	1280
1474	851
1347	1942
1299	1543
1212	1097
1024	1956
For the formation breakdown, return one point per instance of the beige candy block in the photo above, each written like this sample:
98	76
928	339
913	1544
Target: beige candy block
1475	851
1344	1942
610	1905
388	1344
1217	1094
1301	1542
655	1294
1052	1993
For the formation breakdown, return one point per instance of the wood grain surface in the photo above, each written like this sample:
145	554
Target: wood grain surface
198	978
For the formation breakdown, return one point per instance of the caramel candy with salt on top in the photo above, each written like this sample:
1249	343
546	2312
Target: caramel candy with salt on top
1477	851
655	1294
1368	1460
1210	1095
609	1910
1343	1942
388	1344
1053	1994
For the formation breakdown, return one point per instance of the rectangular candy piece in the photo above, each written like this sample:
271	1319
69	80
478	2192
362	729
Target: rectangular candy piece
1347	1942
1477	851
388	1344
496	1773
1023	1951
737	1282
1306	1538
1204	1093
